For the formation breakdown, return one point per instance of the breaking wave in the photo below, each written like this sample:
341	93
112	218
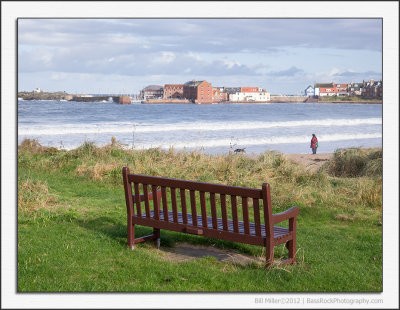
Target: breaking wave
258	141
127	127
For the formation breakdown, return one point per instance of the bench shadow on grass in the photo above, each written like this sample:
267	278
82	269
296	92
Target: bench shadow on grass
177	247
111	228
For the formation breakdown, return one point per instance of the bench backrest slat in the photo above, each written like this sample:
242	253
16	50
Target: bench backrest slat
256	209
137	200
193	207
245	216
197	186
183	206
164	203
234	213
213	211
240	204
203	209
156	203
223	211
174	205
146	200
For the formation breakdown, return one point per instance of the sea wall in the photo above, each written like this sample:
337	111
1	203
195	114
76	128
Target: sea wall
166	101
288	98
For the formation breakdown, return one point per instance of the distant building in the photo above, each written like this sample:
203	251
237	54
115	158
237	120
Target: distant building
232	90
218	95
328	91
250	96
151	92
342	89
198	91
372	89
309	91
173	91
318	86
38	90
355	89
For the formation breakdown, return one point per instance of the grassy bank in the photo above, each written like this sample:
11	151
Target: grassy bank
349	99
72	222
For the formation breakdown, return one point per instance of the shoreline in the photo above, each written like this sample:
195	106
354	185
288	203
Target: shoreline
102	100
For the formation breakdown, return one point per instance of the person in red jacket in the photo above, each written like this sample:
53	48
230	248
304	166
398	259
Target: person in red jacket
314	144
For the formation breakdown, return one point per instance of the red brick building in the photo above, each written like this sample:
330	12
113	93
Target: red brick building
173	91
198	91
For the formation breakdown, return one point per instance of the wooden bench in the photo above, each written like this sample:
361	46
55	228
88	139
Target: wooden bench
200	223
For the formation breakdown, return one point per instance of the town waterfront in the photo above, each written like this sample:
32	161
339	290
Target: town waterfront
213	129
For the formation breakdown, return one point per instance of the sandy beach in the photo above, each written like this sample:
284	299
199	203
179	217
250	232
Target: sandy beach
310	161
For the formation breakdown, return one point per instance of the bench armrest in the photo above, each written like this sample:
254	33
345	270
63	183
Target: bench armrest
290	213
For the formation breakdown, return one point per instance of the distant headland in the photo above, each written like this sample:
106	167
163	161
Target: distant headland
63	96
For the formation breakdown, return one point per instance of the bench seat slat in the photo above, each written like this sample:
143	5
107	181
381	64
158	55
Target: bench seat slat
279	232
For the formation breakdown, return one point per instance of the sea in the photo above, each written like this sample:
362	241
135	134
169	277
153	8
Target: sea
212	129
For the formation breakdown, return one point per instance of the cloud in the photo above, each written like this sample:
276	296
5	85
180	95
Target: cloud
351	73
199	34
285	73
165	58
343	76
236	49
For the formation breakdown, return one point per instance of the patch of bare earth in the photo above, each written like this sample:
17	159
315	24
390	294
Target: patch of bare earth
184	252
312	162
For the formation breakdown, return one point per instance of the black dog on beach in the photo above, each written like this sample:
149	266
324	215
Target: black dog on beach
240	150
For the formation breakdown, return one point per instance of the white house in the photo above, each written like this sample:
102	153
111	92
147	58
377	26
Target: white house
309	91
250	96
37	90
319	86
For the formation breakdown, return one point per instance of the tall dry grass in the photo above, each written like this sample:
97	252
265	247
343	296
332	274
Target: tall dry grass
33	196
350	183
355	162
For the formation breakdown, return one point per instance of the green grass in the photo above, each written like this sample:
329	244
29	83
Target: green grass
72	222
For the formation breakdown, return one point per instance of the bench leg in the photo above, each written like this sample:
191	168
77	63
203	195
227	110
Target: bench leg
157	241
291	246
131	236
269	255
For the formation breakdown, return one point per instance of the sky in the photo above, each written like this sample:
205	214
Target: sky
122	56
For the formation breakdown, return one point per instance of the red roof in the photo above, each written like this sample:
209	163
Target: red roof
328	90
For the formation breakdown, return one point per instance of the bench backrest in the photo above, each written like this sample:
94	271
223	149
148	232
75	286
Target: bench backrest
240	198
